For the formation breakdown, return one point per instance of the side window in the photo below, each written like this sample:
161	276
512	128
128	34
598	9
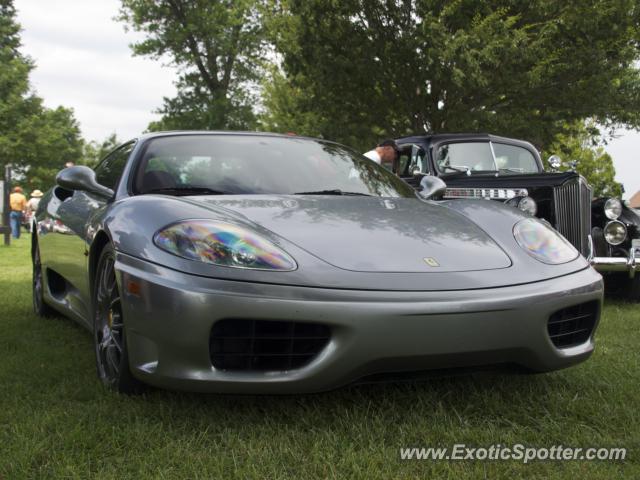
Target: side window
412	157
403	162
109	171
418	161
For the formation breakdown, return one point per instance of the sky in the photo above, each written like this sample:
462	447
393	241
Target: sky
83	61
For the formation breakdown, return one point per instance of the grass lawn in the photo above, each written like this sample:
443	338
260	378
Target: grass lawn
57	421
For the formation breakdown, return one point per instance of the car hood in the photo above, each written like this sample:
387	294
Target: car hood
369	234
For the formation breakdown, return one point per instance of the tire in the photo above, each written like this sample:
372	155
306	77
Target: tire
109	332
37	286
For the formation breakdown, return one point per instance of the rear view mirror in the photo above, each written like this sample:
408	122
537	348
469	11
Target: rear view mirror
83	179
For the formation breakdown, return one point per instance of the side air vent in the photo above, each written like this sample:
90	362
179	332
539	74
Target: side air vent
573	325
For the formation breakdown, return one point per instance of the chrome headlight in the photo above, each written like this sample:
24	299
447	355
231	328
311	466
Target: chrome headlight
543	243
525	204
222	244
555	162
615	232
613	208
528	204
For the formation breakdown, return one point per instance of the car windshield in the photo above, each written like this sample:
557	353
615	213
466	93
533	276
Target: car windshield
260	164
485	156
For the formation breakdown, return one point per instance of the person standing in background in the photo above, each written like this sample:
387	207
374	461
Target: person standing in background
32	206
18	204
386	152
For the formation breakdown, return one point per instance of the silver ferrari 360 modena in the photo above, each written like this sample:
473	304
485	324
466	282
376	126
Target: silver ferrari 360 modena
260	263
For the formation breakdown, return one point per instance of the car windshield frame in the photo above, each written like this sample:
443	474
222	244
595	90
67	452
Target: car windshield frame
500	169
390	185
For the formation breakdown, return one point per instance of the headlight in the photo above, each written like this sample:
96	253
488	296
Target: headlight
543	243
613	208
528	204
555	161
615	232
222	244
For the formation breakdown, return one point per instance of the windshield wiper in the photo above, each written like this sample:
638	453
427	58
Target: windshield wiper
458	169
335	191
187	190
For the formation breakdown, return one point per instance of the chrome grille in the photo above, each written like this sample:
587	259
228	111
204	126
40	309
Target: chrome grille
492	193
572	203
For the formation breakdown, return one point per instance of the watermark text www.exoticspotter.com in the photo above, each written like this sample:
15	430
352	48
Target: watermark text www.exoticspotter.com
517	452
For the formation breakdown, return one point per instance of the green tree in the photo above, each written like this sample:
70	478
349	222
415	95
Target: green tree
95	151
217	47
48	141
581	146
35	140
377	68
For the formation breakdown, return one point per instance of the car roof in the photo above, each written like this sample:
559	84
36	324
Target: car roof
172	133
440	137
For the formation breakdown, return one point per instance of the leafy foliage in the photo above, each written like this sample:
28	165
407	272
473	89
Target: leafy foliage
94	151
216	45
582	147
35	140
376	68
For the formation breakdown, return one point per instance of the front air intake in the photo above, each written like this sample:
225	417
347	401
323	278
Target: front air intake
573	325
265	345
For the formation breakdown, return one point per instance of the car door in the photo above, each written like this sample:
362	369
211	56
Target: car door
412	164
64	248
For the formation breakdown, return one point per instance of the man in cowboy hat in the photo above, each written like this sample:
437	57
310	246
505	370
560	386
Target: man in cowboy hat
32	206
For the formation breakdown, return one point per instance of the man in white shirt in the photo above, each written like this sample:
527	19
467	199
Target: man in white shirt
385	152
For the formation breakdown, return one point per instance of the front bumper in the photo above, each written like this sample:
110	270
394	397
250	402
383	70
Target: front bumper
170	316
631	264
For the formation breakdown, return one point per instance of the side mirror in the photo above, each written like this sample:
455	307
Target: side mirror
431	187
83	179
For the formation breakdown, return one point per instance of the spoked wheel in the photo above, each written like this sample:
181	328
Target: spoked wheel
39	307
112	360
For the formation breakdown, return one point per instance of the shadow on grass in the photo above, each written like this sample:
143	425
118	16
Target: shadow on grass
483	398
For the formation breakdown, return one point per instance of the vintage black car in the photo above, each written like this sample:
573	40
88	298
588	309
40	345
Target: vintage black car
604	230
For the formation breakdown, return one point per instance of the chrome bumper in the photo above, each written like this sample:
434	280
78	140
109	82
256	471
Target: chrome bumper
617	264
